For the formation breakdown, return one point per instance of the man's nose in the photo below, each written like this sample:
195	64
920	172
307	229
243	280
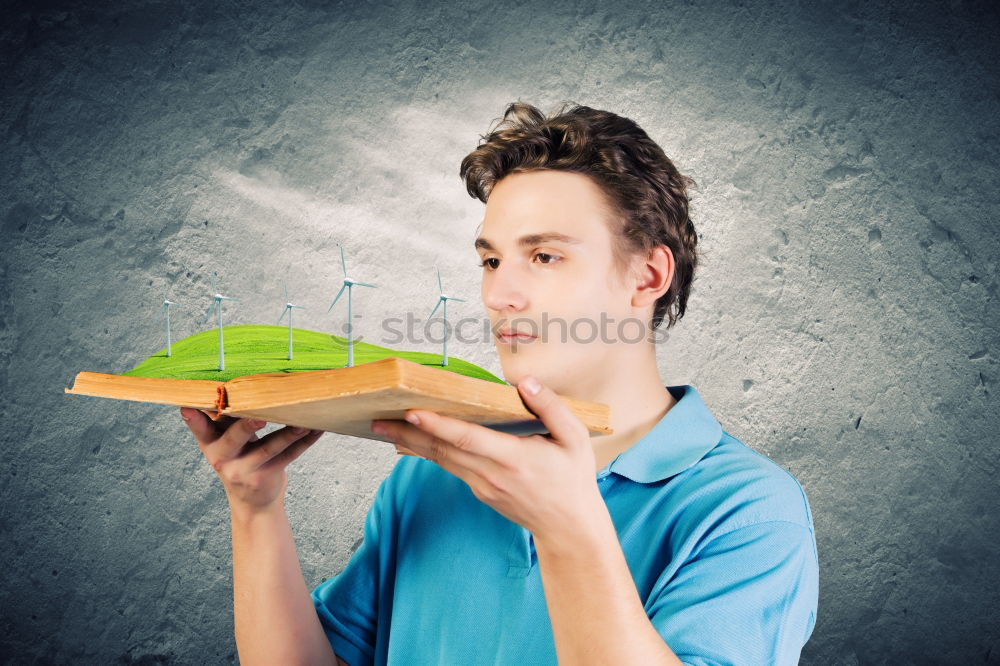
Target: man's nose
504	290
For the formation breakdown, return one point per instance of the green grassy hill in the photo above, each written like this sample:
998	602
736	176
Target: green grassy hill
252	350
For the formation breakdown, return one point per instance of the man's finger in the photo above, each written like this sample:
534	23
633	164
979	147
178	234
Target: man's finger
294	450
218	421
200	425
230	444
432	448
561	422
443	439
225	444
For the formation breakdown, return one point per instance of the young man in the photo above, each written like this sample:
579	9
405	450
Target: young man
667	542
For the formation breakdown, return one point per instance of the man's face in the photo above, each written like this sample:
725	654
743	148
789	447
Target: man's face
526	285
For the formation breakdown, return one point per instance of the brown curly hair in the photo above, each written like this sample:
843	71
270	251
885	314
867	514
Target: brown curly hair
646	192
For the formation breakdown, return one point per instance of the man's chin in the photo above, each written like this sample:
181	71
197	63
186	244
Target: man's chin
516	367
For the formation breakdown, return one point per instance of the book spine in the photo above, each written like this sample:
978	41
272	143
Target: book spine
220	399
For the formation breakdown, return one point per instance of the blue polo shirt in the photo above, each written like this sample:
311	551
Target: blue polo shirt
718	538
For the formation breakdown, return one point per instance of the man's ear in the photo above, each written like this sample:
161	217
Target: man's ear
654	275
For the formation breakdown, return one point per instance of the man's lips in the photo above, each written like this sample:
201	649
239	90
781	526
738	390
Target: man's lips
508	336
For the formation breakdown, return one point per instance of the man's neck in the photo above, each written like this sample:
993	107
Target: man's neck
638	400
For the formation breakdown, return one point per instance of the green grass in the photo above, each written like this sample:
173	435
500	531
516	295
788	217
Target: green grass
252	350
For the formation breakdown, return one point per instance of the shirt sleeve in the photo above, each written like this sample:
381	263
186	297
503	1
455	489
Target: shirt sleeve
749	596
347	603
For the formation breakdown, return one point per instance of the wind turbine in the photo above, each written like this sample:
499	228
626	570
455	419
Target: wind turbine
288	309
442	299
217	303
166	309
348	283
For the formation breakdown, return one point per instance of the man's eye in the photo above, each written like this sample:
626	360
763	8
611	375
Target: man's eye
550	260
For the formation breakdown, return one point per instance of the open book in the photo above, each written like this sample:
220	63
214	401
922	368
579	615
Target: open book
345	400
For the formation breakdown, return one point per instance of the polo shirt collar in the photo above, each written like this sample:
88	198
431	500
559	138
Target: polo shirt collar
680	439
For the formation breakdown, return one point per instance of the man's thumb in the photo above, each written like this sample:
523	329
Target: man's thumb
197	421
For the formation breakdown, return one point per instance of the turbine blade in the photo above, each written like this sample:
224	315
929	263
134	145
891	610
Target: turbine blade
452	298
343	263
365	284
211	309
215	285
282	314
440	288
337	298
285	285
436	306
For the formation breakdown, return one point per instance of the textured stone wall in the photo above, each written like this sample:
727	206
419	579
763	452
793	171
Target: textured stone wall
844	322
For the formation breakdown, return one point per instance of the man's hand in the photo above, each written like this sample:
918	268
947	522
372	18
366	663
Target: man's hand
546	484
252	469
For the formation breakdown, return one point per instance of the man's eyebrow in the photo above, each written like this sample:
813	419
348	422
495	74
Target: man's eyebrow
532	239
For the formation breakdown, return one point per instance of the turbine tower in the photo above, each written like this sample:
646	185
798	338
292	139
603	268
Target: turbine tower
288	309
166	309
217	303
348	283
442	299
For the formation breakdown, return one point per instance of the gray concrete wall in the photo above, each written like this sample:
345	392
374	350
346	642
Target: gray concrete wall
844	322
